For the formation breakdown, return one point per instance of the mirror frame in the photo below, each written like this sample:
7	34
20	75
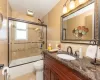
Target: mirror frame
96	23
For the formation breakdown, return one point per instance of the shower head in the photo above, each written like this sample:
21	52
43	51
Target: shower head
37	29
40	21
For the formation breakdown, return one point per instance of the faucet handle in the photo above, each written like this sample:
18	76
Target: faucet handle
69	50
76	53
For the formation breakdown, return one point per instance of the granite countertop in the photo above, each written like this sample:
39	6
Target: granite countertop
83	66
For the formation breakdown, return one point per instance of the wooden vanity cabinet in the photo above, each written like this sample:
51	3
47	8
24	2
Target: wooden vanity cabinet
55	70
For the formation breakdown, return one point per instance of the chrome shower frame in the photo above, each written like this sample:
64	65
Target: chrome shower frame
29	22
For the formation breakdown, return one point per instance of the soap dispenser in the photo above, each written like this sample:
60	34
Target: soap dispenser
49	47
80	52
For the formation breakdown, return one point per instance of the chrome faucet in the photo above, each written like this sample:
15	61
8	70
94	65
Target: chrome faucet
69	50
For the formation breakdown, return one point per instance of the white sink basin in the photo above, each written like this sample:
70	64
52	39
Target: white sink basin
65	56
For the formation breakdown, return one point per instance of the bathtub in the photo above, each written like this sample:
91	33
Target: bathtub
25	60
21	70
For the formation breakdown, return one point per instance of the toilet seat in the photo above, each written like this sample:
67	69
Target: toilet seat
38	65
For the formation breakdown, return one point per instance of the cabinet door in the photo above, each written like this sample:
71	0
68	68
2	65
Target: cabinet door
54	76
45	78
46	72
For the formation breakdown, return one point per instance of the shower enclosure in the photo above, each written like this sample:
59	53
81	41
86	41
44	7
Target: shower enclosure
26	41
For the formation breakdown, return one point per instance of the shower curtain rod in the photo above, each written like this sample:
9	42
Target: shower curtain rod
29	22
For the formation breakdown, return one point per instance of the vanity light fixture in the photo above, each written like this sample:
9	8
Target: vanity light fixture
65	8
72	4
30	13
81	1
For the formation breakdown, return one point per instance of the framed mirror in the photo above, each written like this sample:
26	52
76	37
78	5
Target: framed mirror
78	25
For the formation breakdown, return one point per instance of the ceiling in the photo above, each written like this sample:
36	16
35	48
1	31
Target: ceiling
39	7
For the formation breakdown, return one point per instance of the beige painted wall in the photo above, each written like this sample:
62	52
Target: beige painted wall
9	12
3	35
52	19
3	7
3	42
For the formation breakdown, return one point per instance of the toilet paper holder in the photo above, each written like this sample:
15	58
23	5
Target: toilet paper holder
1	66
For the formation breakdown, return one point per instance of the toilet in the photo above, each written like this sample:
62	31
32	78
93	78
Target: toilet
39	69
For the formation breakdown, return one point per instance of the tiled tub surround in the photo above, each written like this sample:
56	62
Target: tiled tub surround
83	66
19	51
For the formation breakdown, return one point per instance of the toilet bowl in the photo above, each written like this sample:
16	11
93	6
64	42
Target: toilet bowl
39	69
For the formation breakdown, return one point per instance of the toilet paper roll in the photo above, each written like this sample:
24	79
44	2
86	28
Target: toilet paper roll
3	71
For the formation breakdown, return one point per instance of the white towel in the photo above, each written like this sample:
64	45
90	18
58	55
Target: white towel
98	55
91	51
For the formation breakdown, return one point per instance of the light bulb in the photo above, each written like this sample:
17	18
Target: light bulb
72	4
82	1
64	9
